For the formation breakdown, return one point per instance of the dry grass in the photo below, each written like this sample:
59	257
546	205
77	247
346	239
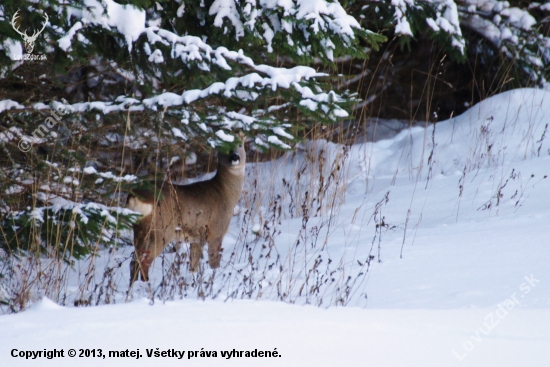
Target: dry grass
307	186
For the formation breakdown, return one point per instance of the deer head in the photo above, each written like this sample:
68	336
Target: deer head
28	40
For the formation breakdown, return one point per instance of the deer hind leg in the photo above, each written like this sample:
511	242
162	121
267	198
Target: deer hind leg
215	253
195	257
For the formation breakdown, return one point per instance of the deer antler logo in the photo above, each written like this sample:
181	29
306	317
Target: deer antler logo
28	40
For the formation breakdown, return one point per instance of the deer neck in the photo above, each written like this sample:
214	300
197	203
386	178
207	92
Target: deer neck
230	181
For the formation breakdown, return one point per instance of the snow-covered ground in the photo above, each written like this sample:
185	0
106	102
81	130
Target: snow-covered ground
302	335
437	242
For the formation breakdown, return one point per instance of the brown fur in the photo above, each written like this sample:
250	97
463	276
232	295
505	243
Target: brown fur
198	213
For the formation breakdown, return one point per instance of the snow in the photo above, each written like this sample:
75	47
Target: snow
181	10
303	336
127	19
224	136
402	27
276	78
8	104
488	29
156	57
280	131
519	18
319	9
13	48
89	170
178	133
492	132
276	141
268	36
433	25
247	120
65	41
443	231
305	16
132	22
449	22
226	9
487	17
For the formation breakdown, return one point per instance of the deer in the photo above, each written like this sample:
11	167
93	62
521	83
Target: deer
28	40
196	213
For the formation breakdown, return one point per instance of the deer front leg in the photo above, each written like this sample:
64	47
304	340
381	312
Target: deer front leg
134	269
195	257
139	266
141	259
215	253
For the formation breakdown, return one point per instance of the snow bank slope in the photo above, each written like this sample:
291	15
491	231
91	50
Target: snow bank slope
471	206
451	216
509	127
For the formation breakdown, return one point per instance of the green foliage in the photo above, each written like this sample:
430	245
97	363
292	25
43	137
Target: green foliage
67	233
516	29
143	82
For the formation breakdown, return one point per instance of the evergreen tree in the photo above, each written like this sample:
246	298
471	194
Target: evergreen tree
445	55
108	90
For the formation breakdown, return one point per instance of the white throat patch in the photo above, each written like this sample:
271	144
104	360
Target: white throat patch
139	206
